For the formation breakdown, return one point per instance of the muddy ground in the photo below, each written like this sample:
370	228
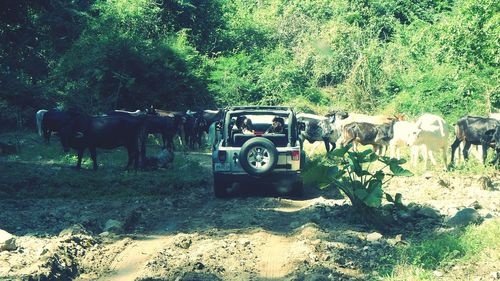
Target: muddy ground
194	236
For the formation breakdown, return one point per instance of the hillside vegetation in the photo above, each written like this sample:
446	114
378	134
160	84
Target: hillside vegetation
369	56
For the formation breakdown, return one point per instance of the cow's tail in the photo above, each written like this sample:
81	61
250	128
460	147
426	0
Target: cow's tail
441	128
39	119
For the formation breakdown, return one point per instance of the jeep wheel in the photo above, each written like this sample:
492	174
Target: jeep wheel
258	156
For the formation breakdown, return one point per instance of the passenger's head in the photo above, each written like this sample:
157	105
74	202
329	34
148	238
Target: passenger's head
247	124
278	122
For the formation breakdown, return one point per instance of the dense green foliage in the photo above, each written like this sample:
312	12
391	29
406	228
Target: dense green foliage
372	55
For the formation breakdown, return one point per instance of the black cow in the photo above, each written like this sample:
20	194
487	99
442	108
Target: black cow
492	138
367	133
319	128
211	116
194	127
471	130
80	131
52	121
167	125
179	117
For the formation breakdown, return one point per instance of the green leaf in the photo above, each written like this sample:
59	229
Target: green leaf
340	152
335	172
354	164
399	171
399	199
366	152
375	193
389	198
324	185
361	194
401	161
372	157
363	173
379	175
384	159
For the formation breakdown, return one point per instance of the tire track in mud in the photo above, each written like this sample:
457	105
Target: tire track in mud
129	264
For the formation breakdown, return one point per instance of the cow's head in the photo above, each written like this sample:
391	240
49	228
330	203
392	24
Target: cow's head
413	138
492	138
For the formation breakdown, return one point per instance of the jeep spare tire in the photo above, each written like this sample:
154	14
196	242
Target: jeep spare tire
258	156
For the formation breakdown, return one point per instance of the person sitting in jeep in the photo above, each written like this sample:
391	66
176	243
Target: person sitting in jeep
277	126
247	127
243	125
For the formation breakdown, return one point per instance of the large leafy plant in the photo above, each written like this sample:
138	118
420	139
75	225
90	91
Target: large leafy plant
361	179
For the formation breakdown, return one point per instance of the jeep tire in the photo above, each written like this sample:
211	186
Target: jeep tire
258	156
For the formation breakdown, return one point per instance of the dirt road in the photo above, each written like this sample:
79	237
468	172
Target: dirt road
194	236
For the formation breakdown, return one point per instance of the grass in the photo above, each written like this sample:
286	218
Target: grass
462	248
40	170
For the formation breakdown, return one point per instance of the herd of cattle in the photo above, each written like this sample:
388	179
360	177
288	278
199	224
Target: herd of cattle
428	135
121	128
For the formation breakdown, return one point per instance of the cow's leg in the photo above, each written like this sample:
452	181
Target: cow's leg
459	153
348	141
334	145
392	150
496	160
80	156
170	142
431	157
466	150
327	144
46	136
385	147
414	155
133	155
164	139
445	157
485	152
454	147
425	155
93	155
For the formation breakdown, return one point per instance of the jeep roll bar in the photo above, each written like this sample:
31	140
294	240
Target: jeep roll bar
260	110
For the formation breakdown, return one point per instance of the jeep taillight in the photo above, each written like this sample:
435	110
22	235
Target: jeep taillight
222	156
295	155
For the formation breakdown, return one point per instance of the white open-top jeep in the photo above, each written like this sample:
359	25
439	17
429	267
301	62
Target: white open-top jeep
251	151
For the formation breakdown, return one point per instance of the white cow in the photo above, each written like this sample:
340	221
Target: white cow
402	132
430	135
495	116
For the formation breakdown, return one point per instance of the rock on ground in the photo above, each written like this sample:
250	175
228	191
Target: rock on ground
465	217
7	241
